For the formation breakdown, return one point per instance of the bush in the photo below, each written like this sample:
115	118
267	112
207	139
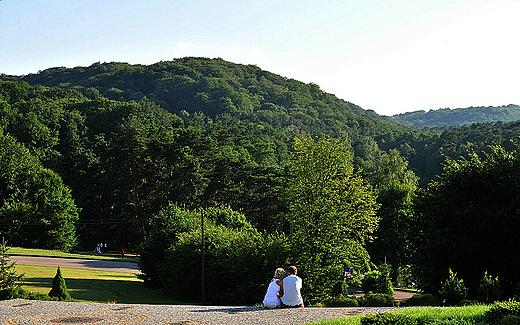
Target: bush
378	300
453	321
229	253
489	290
378	281
341	301
59	287
388	319
510	320
19	293
339	288
499	310
426	299
453	290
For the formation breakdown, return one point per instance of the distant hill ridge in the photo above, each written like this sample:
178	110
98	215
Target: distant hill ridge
446	117
174	85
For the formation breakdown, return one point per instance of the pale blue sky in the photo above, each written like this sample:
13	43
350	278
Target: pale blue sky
390	56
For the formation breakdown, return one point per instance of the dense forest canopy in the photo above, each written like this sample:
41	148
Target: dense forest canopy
226	123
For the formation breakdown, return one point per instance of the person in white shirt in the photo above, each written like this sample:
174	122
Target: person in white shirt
292	284
275	289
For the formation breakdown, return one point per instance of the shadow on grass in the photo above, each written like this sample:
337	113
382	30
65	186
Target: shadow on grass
93	290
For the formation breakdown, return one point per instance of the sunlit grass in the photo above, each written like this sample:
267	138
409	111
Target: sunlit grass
53	253
94	286
423	314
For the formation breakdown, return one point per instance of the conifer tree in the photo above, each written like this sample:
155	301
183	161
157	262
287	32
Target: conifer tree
8	276
59	287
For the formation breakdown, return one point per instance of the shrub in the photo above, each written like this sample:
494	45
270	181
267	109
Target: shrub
510	320
20	293
229	253
339	288
453	290
59	287
453	321
489	290
426	299
378	281
388	319
341	301
378	300
499	310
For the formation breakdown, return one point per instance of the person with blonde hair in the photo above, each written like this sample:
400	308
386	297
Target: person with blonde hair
275	289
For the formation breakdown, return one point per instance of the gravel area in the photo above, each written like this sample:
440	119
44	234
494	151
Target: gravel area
19	311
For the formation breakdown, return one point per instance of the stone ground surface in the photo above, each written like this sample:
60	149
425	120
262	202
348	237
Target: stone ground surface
19	311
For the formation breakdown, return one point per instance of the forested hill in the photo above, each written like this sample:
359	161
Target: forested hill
446	117
228	93
219	88
213	87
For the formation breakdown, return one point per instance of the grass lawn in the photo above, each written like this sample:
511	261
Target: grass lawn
51	253
423	314
94	286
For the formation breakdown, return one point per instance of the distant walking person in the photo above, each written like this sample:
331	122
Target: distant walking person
275	289
122	253
292	284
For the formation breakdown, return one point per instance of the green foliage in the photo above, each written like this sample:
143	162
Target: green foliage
468	221
388	319
331	209
340	301
378	300
20	293
506	311
489	290
395	186
8	276
378	281
37	208
454	321
165	229
453	290
426	299
510	320
59	287
339	288
233	250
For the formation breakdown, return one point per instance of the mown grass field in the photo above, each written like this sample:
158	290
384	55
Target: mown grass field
423	314
52	253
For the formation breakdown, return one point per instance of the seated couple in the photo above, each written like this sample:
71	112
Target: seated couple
284	289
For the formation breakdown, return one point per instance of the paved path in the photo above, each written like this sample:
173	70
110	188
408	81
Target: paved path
21	311
76	263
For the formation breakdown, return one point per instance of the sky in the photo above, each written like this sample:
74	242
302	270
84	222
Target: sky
390	56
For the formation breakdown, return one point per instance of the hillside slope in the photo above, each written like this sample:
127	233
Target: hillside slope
446	117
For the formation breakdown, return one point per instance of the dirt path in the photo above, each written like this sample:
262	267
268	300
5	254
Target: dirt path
76	263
